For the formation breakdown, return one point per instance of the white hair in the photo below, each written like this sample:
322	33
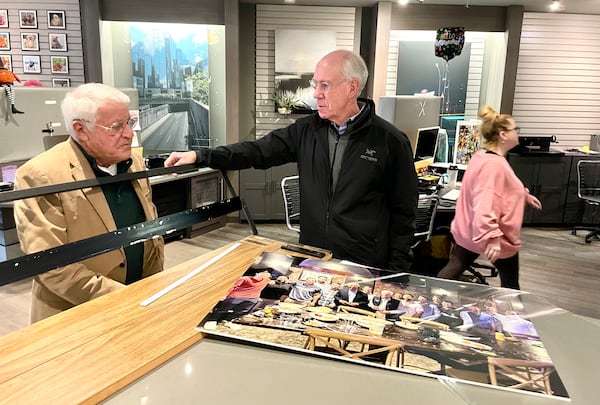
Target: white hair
83	103
355	68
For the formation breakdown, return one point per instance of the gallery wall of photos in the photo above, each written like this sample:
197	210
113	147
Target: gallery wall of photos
42	46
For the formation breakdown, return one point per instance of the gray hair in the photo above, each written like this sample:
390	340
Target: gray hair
83	103
355	68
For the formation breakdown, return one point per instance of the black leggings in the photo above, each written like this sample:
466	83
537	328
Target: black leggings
462	258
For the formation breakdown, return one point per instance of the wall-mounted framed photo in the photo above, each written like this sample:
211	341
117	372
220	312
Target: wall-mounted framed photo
30	41
3	18
31	64
28	19
58	42
59	64
61	82
6	61
56	20
4	41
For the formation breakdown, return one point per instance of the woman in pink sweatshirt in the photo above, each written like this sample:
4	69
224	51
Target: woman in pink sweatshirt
489	211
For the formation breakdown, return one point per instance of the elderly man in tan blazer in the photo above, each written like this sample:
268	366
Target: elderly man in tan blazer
97	118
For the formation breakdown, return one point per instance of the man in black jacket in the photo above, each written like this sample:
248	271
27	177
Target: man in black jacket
352	296
358	186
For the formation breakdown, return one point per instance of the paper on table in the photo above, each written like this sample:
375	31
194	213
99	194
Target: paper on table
451	195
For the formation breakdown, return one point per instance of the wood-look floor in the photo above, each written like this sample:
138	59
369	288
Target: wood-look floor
555	265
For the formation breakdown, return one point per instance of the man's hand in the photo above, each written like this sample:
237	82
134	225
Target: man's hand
180	158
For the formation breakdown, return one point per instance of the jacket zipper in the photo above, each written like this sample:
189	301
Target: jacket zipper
330	191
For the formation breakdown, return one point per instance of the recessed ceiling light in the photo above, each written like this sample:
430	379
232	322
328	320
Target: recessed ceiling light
555	5
403	2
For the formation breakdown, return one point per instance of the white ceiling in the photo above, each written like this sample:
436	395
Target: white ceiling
568	6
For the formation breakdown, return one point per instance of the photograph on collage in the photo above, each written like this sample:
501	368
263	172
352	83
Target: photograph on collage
399	321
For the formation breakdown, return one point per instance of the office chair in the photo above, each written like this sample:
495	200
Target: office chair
290	188
473	275
588	190
426	209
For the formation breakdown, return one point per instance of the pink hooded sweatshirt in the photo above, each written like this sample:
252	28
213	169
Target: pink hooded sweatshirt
491	205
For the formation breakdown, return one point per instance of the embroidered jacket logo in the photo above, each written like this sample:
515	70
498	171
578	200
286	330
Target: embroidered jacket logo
369	155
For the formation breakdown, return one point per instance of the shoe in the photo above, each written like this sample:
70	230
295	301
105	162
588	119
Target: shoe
15	111
232	325
210	325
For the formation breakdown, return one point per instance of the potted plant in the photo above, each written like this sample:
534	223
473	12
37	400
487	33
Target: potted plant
286	101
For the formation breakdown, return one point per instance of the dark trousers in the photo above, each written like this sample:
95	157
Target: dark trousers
462	258
231	308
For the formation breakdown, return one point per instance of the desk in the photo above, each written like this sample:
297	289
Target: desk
111	349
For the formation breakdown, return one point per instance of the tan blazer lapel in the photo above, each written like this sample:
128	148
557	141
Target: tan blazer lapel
81	170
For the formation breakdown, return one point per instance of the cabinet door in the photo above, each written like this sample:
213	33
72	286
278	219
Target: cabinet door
547	178
526	169
261	190
551	189
574	207
255	190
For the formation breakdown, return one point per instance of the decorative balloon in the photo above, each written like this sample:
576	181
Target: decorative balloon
449	42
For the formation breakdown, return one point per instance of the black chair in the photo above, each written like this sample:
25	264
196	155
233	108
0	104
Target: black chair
473	274
290	187
588	190
426	209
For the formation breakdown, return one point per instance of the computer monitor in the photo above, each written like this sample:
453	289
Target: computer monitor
427	142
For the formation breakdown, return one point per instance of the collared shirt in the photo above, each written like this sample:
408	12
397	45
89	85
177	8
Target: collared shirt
337	145
383	304
351	295
302	292
341	130
327	298
126	209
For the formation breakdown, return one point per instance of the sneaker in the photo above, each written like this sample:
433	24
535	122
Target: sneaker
232	325
210	325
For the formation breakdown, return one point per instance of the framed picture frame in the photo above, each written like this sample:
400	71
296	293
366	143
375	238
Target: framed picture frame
59	64
6	61
4	41
61	82
28	19
30	41
57	42
56	20
467	141
31	64
3	18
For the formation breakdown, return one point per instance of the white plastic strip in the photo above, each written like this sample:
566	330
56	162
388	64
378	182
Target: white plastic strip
191	274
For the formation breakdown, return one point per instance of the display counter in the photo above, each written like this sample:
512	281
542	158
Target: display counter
114	349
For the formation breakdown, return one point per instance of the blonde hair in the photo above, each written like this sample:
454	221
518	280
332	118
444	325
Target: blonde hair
492	123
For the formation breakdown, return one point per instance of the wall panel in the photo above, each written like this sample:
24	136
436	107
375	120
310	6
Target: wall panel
273	17
474	76
557	88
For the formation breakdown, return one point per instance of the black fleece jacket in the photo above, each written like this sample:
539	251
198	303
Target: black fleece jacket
369	217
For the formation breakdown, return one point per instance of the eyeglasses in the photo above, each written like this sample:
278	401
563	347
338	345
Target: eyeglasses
516	129
117	127
324	85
